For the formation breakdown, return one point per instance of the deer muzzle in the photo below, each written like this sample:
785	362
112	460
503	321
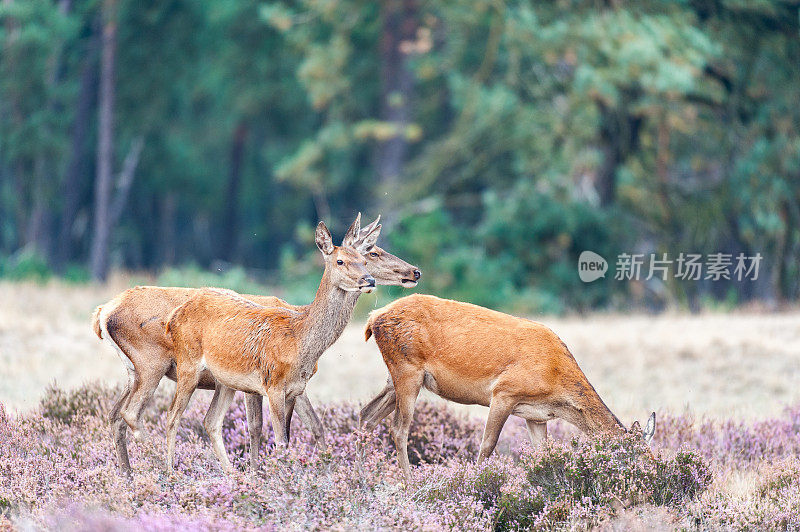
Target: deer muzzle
367	284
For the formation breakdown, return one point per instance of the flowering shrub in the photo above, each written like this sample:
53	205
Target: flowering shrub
63	406
773	504
575	481
733	443
74	519
58	470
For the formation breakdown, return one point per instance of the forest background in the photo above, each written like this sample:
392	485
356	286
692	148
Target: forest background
202	141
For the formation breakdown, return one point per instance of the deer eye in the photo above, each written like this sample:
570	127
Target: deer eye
373	254
340	262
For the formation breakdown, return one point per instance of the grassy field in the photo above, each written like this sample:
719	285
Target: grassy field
727	452
745	365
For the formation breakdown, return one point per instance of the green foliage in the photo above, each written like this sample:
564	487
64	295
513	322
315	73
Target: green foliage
296	280
300	275
76	273
26	265
533	131
193	276
522	256
452	265
538	237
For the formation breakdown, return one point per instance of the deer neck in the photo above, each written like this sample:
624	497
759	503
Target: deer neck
325	320
598	416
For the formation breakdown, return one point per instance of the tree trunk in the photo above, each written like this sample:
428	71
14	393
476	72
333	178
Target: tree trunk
230	220
779	273
167	231
619	137
606	182
20	202
37	228
3	248
124	182
72	187
105	153
399	20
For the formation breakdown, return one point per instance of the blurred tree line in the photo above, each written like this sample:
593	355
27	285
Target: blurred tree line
498	139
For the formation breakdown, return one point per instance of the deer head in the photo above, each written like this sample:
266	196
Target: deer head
649	430
387	269
344	266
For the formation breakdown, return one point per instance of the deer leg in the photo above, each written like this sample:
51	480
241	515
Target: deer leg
213	423
253	407
187	383
277	414
119	428
148	377
378	408
499	410
287	424
537	431
310	419
407	388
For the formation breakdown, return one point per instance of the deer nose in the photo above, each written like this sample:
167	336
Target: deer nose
417	274
368	280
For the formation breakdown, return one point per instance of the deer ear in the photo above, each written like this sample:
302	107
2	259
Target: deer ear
650	429
363	234
367	242
323	239
635	427
352	232
368	229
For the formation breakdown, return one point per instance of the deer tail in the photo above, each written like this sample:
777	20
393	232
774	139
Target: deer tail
96	322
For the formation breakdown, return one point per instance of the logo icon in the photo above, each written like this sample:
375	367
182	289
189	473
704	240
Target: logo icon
591	266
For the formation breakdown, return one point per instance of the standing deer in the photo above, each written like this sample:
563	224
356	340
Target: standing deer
473	355
133	323
271	351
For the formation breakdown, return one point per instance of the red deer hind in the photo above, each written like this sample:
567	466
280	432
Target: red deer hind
270	351
473	355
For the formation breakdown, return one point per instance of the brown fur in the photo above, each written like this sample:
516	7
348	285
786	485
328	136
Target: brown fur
138	318
473	355
239	335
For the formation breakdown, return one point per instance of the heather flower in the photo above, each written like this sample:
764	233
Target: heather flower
577	481
58	470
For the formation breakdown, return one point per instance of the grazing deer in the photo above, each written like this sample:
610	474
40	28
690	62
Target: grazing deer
473	355
271	351
133	323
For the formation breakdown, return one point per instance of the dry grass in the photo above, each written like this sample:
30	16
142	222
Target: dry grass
721	365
